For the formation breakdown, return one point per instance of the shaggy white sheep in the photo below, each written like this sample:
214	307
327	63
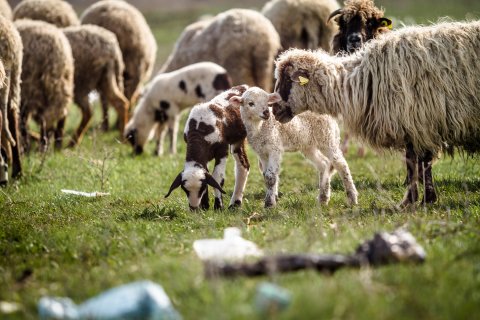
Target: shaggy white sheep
417	88
317	137
167	95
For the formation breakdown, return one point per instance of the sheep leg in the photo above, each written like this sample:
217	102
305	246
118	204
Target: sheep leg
323	167
242	168
104	103
219	175
339	163
204	204
13	122
173	133
425	163
3	164
86	109
58	134
411	158
271	178
160	133
44	136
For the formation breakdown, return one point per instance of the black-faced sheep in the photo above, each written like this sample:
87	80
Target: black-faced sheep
57	12
98	66
210	129
302	24
242	41
416	89
167	95
358	22
47	79
11	57
317	137
139	48
5	9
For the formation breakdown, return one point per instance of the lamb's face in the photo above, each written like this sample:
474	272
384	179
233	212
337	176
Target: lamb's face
254	104
194	181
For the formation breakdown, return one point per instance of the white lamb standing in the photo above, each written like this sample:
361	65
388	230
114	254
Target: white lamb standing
316	136
166	96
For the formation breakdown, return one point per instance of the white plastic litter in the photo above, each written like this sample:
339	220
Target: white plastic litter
86	194
231	248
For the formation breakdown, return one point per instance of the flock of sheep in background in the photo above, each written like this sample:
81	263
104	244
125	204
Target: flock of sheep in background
415	89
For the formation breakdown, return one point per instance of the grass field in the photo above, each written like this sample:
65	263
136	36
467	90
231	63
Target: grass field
61	245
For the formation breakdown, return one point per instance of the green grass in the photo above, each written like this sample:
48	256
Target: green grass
61	245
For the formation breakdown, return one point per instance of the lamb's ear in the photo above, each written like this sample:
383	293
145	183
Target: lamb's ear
212	182
176	183
274	98
236	101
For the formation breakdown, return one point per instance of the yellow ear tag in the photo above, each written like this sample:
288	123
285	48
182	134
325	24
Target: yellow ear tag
303	80
386	23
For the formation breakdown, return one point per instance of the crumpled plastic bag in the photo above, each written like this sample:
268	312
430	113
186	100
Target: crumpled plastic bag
231	248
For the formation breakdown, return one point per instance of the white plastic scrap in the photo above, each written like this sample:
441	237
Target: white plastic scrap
231	248
86	194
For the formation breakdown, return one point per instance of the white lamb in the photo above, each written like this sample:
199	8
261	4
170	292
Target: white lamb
166	96
317	137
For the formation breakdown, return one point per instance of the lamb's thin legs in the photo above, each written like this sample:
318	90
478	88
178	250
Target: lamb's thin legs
219	175
13	122
411	195
323	167
242	168
3	164
204	204
271	177
43	136
335	155
425	163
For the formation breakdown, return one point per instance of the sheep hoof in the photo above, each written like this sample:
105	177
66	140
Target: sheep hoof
430	196
235	205
270	203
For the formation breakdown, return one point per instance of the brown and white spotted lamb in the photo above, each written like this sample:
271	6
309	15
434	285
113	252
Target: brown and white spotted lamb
211	128
358	22
166	96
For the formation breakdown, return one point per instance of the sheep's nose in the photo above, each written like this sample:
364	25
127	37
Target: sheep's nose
266	114
355	40
193	208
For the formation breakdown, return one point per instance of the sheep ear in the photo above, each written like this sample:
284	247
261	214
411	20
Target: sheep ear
301	76
235	101
385	23
212	182
176	183
274	98
334	13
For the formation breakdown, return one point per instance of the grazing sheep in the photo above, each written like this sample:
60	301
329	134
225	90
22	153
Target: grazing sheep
98	66
11	57
136	40
358	22
317	137
416	89
167	95
47	79
57	12
242	41
210	129
5	9
302	23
